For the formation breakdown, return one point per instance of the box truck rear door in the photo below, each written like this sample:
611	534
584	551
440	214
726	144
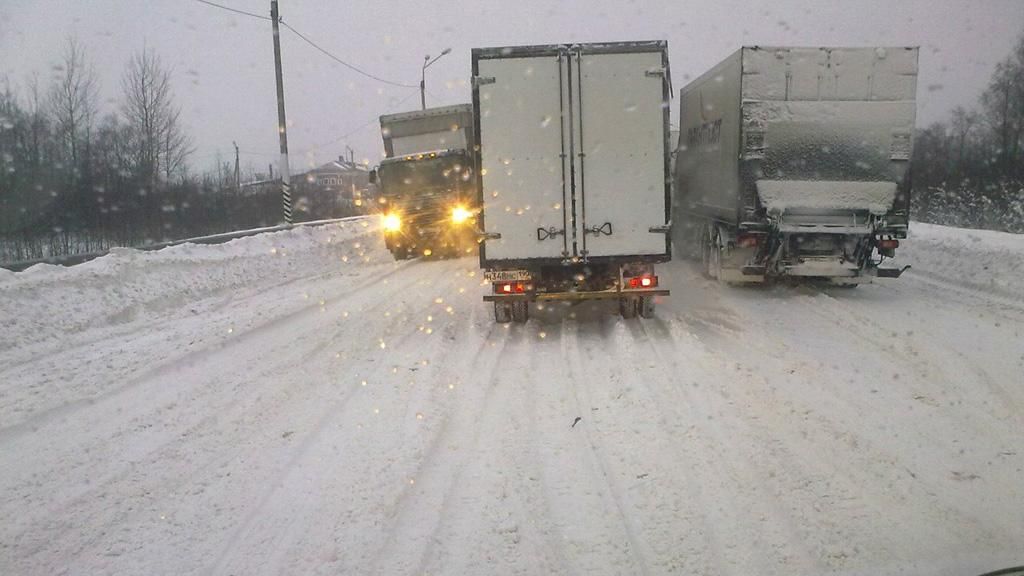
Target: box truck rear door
522	165
621	132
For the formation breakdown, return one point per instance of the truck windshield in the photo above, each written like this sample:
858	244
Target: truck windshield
443	172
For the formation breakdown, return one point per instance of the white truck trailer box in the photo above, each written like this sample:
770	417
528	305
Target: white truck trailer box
795	162
573	172
430	130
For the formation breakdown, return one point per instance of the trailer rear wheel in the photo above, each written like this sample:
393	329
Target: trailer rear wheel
520	311
705	251
646	306
627	307
711	253
716	257
502	313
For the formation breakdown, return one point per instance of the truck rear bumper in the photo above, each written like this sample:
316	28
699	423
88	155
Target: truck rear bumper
823	269
842	270
583	295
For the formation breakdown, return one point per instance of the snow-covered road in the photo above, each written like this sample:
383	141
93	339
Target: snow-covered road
297	403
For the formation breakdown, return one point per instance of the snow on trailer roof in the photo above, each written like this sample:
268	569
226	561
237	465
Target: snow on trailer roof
589	47
428	113
738	53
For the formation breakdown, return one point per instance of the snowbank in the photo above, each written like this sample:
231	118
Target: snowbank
978	259
47	302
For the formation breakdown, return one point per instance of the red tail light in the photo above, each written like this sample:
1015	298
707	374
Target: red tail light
748	240
889	244
643	282
512	287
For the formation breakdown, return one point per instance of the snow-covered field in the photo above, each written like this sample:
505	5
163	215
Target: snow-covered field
298	403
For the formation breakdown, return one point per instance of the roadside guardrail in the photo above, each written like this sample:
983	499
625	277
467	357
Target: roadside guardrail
73	259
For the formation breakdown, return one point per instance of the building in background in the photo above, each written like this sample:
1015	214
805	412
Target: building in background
338	188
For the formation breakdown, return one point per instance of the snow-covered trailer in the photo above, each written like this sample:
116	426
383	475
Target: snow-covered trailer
795	161
573	173
429	130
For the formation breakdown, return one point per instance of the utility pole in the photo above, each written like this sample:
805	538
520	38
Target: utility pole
238	176
286	193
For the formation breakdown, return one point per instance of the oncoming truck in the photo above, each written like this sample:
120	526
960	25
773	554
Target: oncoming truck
426	182
572	173
795	162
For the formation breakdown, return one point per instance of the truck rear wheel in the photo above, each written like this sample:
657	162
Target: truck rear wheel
502	313
646	306
705	251
520	311
711	253
627	307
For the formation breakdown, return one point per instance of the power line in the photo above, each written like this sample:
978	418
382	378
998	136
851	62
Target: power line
361	126
254	153
342	62
311	43
235	10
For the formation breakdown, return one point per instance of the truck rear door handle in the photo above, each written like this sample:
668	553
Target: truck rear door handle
550	232
605	229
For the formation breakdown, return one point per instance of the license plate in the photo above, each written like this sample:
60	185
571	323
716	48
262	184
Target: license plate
506	275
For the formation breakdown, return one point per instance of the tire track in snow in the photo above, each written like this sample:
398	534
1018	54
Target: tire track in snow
311	522
739	538
839	481
192	357
280	365
869	331
502	522
577	373
567	516
423	507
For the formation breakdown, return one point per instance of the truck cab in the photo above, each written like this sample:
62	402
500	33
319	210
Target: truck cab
427	182
427	203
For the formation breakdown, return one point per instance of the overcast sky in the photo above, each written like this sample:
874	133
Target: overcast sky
223	62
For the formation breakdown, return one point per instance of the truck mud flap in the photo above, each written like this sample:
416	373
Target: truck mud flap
753	270
890	272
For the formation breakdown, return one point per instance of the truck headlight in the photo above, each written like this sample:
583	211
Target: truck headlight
392	223
460	214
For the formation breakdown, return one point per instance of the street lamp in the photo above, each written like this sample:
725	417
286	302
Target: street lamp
423	76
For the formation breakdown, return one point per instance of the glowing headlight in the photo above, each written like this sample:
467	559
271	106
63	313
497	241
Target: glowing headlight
460	214
392	223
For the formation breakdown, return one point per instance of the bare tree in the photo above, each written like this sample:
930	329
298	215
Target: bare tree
72	101
1003	102
160	145
963	122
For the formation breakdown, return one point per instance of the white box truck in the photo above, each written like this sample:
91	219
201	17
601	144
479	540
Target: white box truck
795	162
573	173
